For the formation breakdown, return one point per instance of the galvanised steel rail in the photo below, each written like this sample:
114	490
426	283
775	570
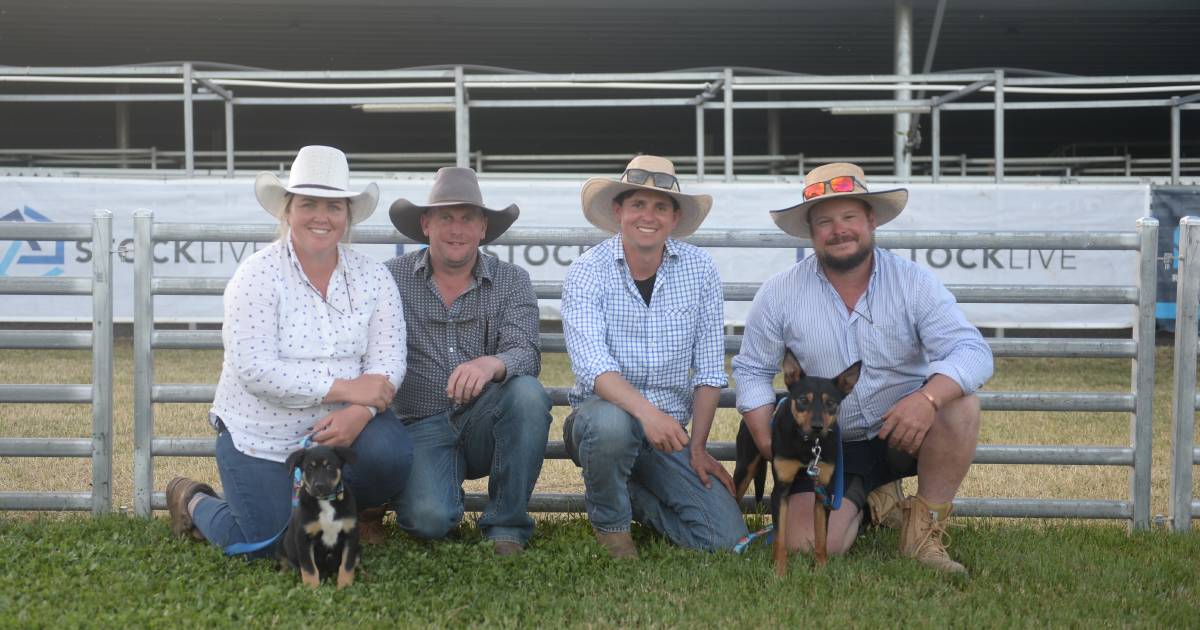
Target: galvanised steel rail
1139	349
99	393
1184	454
458	90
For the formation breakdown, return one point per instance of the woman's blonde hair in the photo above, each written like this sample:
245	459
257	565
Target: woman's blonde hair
282	230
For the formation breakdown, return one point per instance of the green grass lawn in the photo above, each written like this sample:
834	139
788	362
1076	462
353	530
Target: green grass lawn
72	570
119	572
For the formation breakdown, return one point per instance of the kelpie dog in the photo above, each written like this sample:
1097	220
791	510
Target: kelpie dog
802	435
322	536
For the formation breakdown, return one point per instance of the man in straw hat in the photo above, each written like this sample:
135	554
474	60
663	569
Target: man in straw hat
643	316
913	410
471	397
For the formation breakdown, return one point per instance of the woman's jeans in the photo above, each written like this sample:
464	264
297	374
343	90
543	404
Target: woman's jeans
258	492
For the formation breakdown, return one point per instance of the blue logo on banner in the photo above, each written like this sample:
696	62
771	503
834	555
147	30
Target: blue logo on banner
36	256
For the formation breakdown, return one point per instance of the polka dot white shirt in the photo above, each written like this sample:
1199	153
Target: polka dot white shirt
285	344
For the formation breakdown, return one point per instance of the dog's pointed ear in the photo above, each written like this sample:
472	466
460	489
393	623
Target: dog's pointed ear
346	453
792	371
848	378
293	460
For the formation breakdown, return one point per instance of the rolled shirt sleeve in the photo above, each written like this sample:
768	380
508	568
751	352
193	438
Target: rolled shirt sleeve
953	346
584	327
757	362
386	332
708	357
519	343
251	336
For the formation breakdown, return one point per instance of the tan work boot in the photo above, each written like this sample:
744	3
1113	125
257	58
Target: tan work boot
180	491
619	544
884	503
370	526
922	535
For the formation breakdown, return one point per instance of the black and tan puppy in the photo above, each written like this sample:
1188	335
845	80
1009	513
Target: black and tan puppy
802	428
322	536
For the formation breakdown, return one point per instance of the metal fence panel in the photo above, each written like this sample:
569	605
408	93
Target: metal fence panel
1184	402
98	393
1139	349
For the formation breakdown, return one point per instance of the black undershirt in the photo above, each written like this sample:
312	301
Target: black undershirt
646	288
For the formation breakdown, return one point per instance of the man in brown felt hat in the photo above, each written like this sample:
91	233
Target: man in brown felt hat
913	410
470	398
643	316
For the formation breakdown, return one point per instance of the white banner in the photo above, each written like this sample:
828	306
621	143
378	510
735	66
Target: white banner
976	207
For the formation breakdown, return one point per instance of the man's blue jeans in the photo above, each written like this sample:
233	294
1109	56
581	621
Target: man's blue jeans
258	492
502	436
626	478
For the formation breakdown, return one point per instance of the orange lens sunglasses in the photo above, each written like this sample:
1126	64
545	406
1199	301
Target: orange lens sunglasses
841	184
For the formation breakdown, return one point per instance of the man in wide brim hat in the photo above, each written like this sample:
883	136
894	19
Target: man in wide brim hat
921	364
471	397
644	172
453	186
643	317
840	180
317	171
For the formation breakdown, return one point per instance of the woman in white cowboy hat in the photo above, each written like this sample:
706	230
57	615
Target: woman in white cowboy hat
314	350
643	315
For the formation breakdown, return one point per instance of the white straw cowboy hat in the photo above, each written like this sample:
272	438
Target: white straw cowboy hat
820	185
453	186
317	171
659	176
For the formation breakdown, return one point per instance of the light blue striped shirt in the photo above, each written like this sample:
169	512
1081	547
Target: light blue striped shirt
666	349
905	328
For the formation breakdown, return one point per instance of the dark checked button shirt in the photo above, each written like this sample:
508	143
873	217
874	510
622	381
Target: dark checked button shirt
496	316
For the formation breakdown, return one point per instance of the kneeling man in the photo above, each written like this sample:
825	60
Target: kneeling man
643	316
913	410
471	398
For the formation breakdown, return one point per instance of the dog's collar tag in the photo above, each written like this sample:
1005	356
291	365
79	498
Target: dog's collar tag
814	467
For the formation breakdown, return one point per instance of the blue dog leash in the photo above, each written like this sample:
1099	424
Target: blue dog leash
237	549
767	534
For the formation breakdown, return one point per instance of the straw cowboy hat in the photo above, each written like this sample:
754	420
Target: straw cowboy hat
836	181
644	172
317	171
453	186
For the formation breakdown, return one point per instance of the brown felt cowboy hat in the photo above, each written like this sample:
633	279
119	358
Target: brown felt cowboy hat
317	171
453	186
836	181
644	172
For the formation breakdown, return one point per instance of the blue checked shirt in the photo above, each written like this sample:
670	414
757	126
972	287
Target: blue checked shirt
905	328
666	349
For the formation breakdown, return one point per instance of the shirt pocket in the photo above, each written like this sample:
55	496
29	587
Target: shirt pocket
888	345
676	331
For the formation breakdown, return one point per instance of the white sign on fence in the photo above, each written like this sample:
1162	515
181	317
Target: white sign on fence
976	207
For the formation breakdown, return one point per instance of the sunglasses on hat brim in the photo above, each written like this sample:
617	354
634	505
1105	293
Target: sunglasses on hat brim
640	176
839	184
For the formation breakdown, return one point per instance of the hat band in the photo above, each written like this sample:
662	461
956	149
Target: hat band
319	187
